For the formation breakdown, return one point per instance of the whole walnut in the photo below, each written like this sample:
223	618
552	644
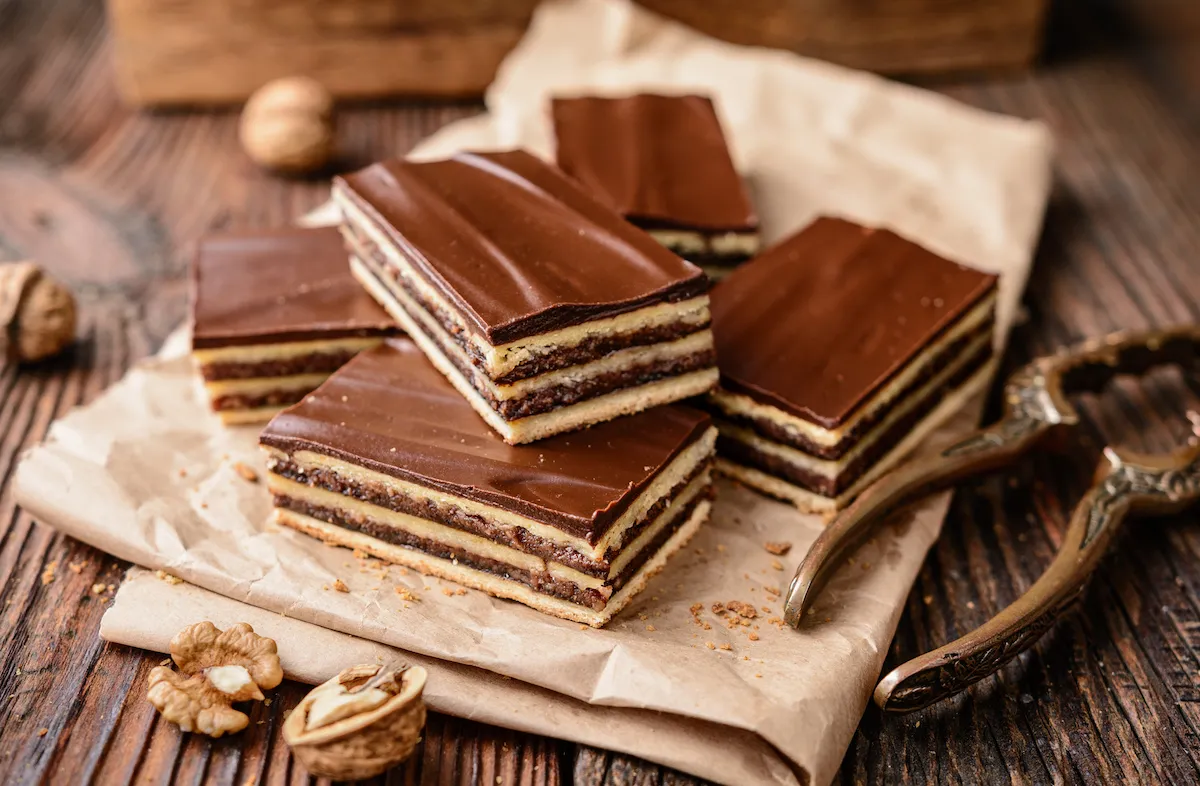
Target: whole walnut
288	125
37	313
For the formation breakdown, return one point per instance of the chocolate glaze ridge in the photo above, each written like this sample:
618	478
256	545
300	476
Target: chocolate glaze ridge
741	453
660	161
455	517
514	244
771	430
273	286
819	322
402	418
542	582
591	348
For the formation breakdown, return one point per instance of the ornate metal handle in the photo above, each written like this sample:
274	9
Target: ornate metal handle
1125	482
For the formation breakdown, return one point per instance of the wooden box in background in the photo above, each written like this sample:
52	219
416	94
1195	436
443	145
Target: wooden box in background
219	51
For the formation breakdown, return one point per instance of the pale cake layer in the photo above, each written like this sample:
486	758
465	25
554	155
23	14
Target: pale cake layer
740	405
811	502
305	499
512	525
496	585
534	427
497	361
240	417
833	468
259	353
685	242
257	386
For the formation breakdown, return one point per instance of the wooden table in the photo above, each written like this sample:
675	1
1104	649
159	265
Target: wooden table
110	201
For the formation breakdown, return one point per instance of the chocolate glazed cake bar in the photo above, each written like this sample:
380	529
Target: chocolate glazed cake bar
386	457
273	313
836	348
662	162
542	307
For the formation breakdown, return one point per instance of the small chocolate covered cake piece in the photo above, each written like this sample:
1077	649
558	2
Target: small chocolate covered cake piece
663	163
386	457
273	313
836	348
543	308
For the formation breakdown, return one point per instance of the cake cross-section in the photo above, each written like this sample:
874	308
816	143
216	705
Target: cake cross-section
837	348
544	308
663	163
273	313
386	457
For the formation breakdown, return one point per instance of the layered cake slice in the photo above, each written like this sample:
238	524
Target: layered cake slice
837	348
273	313
386	457
543	308
663	163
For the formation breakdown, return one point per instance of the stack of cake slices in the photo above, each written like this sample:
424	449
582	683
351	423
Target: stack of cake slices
527	438
836	348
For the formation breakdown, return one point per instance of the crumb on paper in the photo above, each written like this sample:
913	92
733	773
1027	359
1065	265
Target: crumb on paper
771	589
651	628
340	585
742	609
766	609
777	547
758	676
246	471
725	647
710	645
48	572
162	575
583	627
408	595
183	473
776	565
753	636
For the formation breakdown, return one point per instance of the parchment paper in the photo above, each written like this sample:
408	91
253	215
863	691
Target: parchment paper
147	474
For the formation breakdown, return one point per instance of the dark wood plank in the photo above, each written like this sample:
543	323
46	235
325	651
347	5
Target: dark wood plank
111	201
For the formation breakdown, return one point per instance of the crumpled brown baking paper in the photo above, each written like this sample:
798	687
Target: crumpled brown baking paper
145	473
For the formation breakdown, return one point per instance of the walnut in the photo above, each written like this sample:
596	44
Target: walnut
37	313
288	125
360	723
216	669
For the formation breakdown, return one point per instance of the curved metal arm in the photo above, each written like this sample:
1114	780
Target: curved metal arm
1124	482
1028	420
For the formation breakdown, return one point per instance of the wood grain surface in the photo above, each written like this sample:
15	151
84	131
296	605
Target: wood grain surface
110	201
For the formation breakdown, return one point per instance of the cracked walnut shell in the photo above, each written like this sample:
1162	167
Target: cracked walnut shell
360	723
37	313
216	669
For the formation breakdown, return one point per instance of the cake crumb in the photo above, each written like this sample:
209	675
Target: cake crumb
771	590
758	676
408	595
766	609
742	609
42	732
76	567
183	473
48	572
246	471
340	585
162	575
725	647
777	547
651	628
710	645
753	636
97	588
776	564
583	627
928	599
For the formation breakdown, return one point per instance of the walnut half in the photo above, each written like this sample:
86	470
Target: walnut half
216	669
360	723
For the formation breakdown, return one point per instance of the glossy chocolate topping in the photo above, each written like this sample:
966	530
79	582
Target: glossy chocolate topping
515	245
278	285
660	161
822	320
391	411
